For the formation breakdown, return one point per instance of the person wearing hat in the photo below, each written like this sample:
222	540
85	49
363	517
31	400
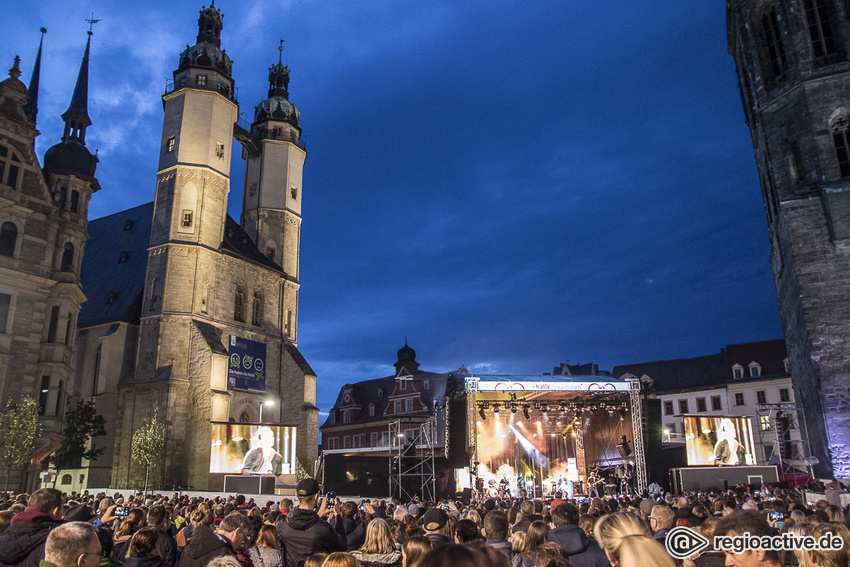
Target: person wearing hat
435	521
304	531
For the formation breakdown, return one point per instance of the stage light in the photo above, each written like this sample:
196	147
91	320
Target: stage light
544	409
536	405
574	433
482	414
513	408
622	415
525	414
485	405
553	435
495	409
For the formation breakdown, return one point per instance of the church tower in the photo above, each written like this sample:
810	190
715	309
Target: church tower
210	291
271	206
793	69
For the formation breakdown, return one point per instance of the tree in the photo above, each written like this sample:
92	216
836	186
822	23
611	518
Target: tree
148	444
19	429
82	424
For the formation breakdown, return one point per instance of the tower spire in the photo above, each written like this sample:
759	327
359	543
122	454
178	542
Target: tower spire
31	107
77	116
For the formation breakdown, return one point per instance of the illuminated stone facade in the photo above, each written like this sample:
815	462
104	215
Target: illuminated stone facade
792	63
43	219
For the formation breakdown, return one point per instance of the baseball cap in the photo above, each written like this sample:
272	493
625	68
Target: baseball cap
434	519
307	487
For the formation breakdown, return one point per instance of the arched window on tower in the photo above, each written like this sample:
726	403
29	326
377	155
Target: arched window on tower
67	258
820	31
839	126
239	304
256	315
8	238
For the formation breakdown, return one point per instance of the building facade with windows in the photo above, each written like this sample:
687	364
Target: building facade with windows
146	324
749	379
793	69
374	421
43	221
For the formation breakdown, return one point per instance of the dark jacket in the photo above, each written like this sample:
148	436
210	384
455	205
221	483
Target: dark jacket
151	561
22	544
504	546
438	540
580	550
525	523
355	532
166	547
205	546
302	533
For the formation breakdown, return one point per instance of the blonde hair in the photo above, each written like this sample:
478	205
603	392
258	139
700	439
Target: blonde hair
831	558
341	559
518	542
379	538
627	541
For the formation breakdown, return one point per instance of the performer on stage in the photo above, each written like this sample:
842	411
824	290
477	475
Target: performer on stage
728	451
504	488
263	459
593	483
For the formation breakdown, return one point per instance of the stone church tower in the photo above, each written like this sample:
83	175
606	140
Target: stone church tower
209	280
793	63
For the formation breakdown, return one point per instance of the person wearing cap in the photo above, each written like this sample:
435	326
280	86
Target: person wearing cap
436	521
304	531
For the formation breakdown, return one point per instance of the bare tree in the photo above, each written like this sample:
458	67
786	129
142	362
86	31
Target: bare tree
148	444
19	429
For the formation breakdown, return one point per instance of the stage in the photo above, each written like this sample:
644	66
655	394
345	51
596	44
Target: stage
538	436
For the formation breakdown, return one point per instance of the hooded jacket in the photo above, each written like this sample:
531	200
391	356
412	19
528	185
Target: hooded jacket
580	550
22	544
303	533
204	546
378	559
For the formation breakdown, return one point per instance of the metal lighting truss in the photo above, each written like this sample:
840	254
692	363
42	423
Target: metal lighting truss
799	447
412	459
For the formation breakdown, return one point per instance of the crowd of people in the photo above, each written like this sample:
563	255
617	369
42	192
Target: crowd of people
52	529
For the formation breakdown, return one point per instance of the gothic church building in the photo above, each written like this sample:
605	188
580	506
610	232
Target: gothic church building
166	288
793	63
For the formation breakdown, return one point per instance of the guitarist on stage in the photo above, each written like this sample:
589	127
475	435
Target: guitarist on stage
593	482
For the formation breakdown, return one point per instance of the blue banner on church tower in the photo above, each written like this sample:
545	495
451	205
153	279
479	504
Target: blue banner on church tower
246	369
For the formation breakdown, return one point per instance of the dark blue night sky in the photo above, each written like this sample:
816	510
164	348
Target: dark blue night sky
510	185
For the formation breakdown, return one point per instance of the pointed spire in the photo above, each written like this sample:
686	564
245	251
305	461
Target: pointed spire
31	107
77	116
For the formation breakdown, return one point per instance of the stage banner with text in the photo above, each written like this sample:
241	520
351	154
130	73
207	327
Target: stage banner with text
247	367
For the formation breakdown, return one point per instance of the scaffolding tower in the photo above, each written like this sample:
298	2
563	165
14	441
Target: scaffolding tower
782	417
412	459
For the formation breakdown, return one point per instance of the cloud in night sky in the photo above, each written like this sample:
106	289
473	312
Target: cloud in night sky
508	185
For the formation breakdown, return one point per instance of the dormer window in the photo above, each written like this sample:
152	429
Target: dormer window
111	298
787	364
755	369
346	416
737	372
380	392
371	410
426	385
402	385
123	257
128	224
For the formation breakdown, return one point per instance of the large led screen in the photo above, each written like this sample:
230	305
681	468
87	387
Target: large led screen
242	448
719	441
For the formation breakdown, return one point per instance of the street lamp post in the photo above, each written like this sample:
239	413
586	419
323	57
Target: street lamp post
267	403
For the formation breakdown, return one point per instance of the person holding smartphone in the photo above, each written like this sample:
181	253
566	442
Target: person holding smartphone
305	531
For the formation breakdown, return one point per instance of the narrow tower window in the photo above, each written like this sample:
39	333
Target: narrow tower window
75	201
219	150
68	258
8	239
169	145
842	145
294	192
255	310
186	222
773	38
239	304
820	28
201	80
154	296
